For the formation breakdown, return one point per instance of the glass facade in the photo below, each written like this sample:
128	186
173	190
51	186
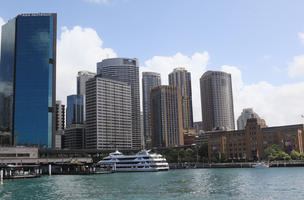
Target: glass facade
7	82
33	67
74	112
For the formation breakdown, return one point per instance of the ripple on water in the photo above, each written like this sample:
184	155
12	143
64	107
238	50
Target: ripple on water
280	183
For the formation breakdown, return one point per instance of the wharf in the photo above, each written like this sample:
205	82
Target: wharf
22	176
299	163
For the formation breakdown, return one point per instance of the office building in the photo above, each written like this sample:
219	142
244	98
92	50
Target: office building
198	126
126	70
202	138
217	101
249	144
60	116
28	80
74	110
58	139
166	117
74	137
82	78
248	114
149	81
109	114
182	79
142	130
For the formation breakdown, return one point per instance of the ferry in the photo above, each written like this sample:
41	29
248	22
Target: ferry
143	161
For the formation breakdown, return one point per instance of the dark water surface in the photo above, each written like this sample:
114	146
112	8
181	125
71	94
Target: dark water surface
273	183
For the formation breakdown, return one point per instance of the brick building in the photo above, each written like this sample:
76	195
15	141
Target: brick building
249	144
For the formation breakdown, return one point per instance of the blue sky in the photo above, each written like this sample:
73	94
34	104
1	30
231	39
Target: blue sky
256	41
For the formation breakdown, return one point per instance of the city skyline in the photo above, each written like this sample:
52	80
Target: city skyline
267	68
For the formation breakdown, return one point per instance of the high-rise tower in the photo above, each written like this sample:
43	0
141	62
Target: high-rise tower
74	110
246	114
182	79
60	116
149	80
82	78
217	101
126	70
28	80
166	117
109	114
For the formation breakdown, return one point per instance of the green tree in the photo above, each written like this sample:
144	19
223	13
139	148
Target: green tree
190	155
274	152
295	155
283	156
301	156
203	153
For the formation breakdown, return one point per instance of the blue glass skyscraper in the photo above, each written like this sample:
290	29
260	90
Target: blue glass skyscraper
74	112
28	80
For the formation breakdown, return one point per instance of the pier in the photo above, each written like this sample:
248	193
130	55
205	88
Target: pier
291	163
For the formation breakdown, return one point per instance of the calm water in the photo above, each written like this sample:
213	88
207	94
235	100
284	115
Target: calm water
274	183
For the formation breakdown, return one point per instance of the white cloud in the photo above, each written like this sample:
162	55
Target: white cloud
78	49
195	64
301	37
278	105
296	67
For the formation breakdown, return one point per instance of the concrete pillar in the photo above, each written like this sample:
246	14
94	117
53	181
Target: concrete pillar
50	169
1	176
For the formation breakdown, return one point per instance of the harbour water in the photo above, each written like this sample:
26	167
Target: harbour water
272	183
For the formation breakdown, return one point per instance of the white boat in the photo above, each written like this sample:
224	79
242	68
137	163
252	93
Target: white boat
143	161
260	165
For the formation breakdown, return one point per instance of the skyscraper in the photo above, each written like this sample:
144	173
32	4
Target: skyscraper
126	70
149	80
60	116
28	80
74	110
198	126
182	79
82	78
74	137
166	117
109	114
217	101
248	113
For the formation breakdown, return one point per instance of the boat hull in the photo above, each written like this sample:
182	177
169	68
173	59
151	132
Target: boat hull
140	170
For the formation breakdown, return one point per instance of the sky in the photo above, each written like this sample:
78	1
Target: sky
261	43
